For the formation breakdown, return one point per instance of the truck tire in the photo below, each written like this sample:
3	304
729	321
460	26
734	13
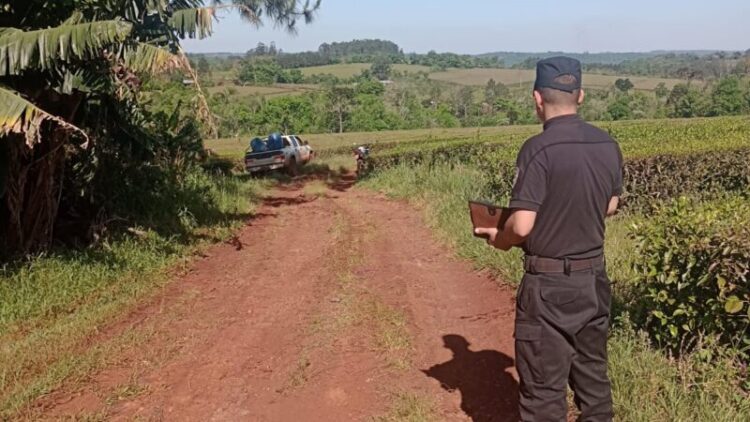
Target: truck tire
292	169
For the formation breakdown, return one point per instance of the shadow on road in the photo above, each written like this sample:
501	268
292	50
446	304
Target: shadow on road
489	392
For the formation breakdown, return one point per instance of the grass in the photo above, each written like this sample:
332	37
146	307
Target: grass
392	337
52	306
316	188
647	384
410	407
525	77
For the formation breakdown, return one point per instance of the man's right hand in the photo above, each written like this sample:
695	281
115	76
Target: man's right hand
488	232
494	238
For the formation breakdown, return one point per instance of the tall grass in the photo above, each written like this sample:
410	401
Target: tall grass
647	384
52	304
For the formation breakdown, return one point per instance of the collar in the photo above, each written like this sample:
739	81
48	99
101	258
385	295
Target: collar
561	119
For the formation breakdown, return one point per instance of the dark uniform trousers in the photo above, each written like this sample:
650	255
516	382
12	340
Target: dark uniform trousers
561	338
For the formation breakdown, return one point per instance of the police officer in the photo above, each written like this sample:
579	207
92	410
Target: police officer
568	179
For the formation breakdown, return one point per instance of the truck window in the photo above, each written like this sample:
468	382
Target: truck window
287	143
294	141
301	142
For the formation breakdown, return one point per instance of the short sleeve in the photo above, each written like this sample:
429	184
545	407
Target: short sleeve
530	186
617	176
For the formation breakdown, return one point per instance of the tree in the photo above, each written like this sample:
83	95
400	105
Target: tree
463	101
684	101
261	71
727	97
624	85
204	68
620	109
370	87
340	100
661	90
381	69
493	91
71	74
370	114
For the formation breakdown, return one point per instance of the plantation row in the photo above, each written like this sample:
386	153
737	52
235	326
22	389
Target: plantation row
637	139
663	159
691	266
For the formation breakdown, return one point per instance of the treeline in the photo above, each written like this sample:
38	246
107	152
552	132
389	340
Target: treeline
413	101
727	96
682	66
357	51
360	47
672	65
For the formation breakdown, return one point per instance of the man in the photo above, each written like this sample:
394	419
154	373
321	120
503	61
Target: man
569	178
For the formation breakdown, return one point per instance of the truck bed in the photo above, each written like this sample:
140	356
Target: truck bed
266	160
263	155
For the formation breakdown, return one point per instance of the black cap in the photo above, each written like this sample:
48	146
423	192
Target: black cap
548	70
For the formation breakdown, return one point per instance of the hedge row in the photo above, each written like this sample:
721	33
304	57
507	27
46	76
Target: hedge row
651	180
638	139
646	180
693	272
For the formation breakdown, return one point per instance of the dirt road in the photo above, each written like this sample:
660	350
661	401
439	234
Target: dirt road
334	304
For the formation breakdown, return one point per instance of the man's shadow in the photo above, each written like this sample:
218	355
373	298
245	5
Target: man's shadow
488	391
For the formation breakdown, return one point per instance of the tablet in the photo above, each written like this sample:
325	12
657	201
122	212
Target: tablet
486	215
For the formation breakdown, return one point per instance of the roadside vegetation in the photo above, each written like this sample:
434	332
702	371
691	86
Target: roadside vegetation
103	194
677	254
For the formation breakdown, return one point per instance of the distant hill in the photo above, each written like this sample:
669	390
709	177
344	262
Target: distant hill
609	58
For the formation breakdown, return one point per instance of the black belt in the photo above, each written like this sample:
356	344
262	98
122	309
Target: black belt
542	265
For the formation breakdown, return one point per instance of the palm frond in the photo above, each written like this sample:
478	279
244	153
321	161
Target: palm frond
18	115
146	58
193	23
40	49
203	111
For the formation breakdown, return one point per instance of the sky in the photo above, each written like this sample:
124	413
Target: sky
479	26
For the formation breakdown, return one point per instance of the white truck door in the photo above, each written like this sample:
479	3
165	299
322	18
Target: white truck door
297	150
304	150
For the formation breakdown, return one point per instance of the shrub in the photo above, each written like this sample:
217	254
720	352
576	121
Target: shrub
693	272
669	176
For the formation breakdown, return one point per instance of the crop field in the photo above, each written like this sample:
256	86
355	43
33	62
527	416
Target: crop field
479	77
636	137
331	142
677	252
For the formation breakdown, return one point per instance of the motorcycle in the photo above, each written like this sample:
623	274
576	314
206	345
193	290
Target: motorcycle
362	153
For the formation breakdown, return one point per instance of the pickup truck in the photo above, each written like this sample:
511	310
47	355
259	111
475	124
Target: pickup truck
295	152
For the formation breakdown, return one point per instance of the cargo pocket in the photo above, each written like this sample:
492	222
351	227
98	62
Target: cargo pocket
528	352
559	297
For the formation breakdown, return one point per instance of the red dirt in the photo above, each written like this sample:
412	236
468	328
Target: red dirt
273	329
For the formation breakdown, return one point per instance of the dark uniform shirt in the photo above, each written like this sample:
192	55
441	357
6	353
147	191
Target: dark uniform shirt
567	174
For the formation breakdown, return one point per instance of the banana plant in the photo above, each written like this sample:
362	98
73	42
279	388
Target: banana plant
61	60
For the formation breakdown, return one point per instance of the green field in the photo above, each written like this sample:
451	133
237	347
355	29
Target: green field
222	81
327	141
347	70
479	77
638	136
